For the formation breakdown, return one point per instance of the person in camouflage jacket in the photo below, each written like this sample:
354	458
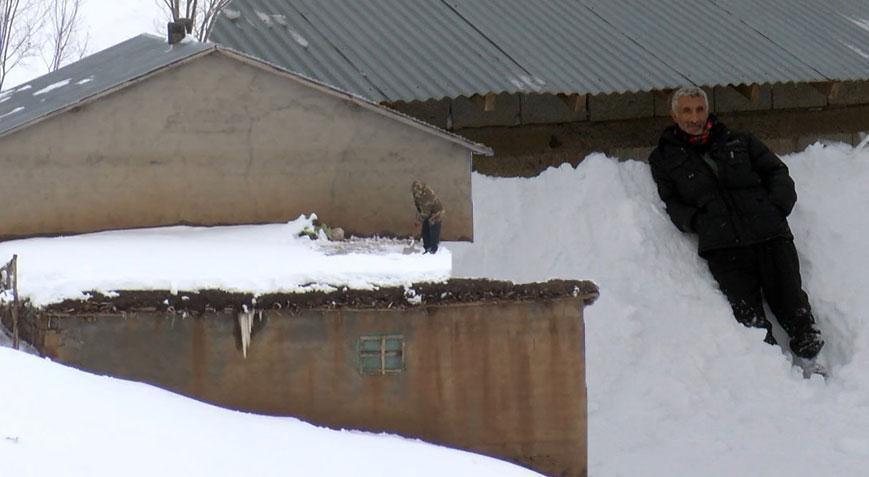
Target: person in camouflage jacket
430	213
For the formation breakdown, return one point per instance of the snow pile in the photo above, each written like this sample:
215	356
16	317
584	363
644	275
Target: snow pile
676	386
258	259
58	421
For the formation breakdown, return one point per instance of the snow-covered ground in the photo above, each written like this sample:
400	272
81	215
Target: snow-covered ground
58	421
676	386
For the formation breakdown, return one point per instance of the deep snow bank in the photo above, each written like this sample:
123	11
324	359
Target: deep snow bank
676	386
56	420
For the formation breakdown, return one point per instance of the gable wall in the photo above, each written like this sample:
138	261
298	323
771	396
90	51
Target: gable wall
218	141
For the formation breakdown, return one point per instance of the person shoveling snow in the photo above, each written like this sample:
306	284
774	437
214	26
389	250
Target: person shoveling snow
430	213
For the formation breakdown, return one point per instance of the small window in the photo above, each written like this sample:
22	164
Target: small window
379	355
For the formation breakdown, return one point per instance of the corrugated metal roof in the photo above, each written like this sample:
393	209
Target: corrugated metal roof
563	47
396	49
276	32
406	50
705	43
831	36
88	77
137	57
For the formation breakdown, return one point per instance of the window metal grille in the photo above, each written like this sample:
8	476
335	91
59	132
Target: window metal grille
381	355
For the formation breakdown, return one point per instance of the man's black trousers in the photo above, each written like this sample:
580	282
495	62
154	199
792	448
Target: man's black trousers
769	270
431	235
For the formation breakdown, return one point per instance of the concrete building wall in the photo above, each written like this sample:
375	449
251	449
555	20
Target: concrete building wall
504	379
220	141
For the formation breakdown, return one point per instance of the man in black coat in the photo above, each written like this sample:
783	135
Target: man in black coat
735	194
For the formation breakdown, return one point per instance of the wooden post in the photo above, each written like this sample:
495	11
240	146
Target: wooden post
750	91
487	101
829	89
575	102
13	271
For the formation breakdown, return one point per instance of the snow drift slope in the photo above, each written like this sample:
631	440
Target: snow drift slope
56	420
676	386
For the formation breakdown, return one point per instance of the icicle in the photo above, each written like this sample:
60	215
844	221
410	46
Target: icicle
245	323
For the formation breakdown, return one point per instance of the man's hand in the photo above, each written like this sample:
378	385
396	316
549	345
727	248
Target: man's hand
436	217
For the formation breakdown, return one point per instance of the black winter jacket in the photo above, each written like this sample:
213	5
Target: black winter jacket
746	201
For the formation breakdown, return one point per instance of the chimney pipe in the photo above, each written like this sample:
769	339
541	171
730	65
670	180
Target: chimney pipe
176	31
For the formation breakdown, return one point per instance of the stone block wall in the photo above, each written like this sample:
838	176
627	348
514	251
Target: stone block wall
532	132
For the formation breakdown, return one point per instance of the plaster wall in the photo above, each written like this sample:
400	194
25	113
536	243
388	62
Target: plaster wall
505	379
219	141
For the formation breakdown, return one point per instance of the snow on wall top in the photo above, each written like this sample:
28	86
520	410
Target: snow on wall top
258	259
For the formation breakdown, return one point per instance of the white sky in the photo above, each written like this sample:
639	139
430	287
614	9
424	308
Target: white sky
108	22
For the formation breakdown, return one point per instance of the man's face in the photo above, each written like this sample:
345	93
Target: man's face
690	114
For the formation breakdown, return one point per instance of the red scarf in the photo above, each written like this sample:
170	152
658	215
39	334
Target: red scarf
703	137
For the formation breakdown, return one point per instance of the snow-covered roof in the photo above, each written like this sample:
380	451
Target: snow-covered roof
265	259
103	71
125	63
416	50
